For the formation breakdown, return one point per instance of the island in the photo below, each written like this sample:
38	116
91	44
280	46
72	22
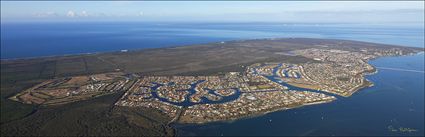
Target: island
212	82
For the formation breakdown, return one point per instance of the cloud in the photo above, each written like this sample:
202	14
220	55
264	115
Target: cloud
46	14
84	14
71	14
141	13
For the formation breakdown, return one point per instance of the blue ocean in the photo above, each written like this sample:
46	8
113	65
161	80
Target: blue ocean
393	106
22	40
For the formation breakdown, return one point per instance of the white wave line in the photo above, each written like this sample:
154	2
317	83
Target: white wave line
400	69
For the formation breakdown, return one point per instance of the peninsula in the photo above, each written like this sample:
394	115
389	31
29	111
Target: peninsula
202	83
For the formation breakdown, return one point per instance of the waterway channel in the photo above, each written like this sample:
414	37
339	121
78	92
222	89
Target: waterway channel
236	95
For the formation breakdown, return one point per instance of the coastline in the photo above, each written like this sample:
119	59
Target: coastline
365	84
247	116
190	45
380	94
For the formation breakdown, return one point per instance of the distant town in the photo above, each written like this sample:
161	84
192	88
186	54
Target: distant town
261	88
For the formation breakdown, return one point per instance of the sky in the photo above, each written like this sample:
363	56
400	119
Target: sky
215	11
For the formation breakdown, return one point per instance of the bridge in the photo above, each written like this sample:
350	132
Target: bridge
176	118
400	69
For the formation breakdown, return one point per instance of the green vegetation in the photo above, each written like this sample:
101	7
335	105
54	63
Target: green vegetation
98	116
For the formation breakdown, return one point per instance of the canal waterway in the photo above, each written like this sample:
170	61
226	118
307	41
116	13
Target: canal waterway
396	101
